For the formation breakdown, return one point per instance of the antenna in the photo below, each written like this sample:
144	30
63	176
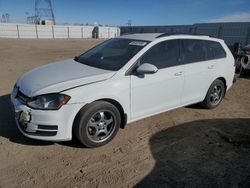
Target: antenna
44	12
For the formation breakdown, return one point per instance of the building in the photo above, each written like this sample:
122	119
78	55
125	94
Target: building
230	32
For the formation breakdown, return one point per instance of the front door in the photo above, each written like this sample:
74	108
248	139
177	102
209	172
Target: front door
154	93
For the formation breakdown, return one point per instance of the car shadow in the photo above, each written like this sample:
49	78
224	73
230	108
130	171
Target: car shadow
8	128
205	153
245	76
195	106
74	143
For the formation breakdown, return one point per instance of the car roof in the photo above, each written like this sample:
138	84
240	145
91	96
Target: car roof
142	36
154	36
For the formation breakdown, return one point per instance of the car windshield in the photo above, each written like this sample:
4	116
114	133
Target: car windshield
112	54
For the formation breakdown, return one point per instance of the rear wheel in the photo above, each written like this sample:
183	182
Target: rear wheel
214	95
97	124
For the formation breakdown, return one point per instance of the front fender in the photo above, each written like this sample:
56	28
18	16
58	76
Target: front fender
117	90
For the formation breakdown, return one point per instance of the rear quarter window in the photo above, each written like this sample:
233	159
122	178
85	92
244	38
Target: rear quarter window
195	50
214	50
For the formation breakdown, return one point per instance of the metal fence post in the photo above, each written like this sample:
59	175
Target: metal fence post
190	30
195	30
53	34
219	31
117	32
18	35
82	32
68	32
36	31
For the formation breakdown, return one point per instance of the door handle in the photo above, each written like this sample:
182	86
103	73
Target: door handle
210	67
178	74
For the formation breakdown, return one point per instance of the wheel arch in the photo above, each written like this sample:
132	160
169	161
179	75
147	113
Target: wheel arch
112	101
120	108
218	78
224	82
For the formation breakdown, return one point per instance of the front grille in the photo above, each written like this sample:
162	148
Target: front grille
21	97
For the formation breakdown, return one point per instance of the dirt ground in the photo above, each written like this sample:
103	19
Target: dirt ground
187	147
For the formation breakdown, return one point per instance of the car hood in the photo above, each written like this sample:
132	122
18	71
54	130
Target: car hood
59	76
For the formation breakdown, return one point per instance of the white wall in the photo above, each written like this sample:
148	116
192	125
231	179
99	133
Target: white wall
45	31
60	31
26	31
87	31
10	30
108	32
75	32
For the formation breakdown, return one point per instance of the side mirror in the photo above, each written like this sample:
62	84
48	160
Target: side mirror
146	68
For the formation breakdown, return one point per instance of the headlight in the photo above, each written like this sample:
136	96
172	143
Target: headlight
48	102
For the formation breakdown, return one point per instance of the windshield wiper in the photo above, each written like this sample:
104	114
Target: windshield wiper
76	58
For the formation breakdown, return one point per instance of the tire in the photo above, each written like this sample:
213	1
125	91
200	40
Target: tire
213	99
97	124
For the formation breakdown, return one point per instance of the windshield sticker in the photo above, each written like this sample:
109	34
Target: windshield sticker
138	43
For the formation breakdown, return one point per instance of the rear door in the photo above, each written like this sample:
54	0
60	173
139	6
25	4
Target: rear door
199	70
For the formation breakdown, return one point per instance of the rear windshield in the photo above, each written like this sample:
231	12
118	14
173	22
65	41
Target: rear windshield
112	54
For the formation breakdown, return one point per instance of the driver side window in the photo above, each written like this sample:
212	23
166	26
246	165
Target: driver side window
163	55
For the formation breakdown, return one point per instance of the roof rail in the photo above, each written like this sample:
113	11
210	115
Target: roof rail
170	34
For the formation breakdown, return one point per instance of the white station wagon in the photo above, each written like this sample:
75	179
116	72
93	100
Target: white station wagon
120	81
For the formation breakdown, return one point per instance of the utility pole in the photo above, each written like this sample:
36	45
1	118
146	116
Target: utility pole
44	12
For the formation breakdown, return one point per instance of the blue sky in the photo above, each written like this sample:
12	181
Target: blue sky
141	12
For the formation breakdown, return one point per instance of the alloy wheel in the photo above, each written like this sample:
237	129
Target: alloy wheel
101	126
216	95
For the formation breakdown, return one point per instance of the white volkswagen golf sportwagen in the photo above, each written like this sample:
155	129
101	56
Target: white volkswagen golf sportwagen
120	81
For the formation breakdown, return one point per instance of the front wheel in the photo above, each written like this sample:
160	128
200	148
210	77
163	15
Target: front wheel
214	95
97	124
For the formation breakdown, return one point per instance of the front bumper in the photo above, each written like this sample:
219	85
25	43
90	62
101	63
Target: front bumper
48	125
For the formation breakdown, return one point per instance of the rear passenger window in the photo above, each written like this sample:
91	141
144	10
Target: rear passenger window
201	50
193	51
215	50
163	55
